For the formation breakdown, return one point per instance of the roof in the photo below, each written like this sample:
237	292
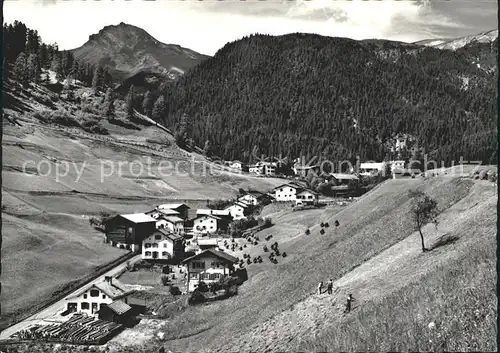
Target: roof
212	252
203	211
173	219
237	203
295	186
374	165
167	233
119	307
211	241
138	217
344	176
113	290
253	193
309	191
206	215
172	206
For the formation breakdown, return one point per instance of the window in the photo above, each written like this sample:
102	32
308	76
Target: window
158	237
310	197
198	264
104	296
206	276
85	306
155	245
147	245
130	230
211	221
193	275
281	189
164	253
148	253
164	245
85	296
94	293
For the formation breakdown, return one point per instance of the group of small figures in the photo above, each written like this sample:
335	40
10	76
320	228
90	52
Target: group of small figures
329	290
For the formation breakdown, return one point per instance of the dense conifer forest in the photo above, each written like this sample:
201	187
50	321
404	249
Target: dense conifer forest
305	95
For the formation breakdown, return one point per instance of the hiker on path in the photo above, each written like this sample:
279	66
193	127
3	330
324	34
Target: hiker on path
320	287
329	286
348	306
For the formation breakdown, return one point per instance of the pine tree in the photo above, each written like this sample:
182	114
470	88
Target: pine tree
159	109
207	150
129	103
33	68
109	104
97	79
107	79
147	104
20	69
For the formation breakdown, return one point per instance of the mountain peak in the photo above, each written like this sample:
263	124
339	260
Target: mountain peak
126	49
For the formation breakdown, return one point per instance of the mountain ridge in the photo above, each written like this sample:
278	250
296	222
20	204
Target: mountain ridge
460	42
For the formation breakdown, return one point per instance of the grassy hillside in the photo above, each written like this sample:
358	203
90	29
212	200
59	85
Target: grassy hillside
375	255
47	240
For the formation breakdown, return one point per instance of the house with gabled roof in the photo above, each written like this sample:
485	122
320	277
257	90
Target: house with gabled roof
287	192
182	208
90	299
307	197
237	210
162	245
118	312
209	223
128	230
208	266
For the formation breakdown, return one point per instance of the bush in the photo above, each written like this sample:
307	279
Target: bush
322	231
202	287
196	297
284	254
165	269
174	290
308	232
493	176
164	280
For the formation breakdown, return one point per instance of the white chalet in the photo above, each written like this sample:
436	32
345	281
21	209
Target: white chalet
287	192
208	266
236	165
251	197
307	197
207	223
162	245
371	168
237	210
90	299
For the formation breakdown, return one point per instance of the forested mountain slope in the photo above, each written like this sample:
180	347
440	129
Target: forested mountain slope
307	94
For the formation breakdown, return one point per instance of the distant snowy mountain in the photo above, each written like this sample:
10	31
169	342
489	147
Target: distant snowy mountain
456	43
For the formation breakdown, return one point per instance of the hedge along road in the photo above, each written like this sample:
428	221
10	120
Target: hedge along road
53	309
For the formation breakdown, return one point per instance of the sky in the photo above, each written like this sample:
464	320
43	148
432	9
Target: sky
207	25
